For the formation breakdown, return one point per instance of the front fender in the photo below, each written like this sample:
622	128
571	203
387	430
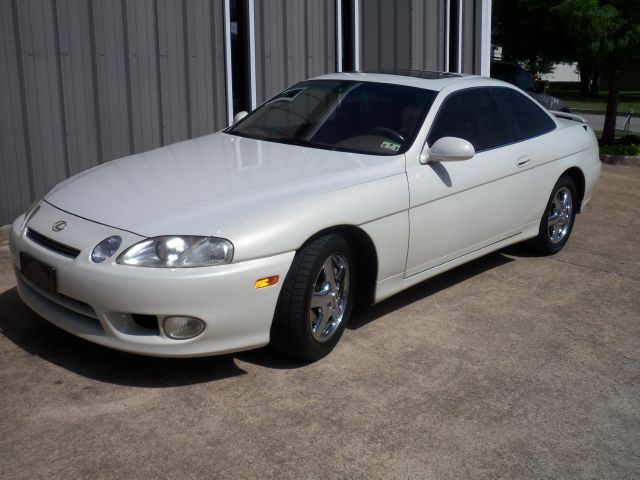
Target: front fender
288	227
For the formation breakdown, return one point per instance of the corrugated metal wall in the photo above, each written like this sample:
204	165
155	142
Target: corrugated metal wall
410	34
295	39
85	81
402	34
471	14
428	35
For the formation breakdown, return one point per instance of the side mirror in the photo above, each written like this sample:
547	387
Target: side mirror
448	149
239	116
539	86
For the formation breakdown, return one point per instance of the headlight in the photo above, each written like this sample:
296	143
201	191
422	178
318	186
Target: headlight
106	248
173	251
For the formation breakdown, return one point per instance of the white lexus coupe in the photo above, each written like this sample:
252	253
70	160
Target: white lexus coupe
344	188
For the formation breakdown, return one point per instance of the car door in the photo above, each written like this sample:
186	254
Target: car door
459	207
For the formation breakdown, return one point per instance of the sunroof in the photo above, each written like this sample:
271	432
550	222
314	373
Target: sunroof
427	74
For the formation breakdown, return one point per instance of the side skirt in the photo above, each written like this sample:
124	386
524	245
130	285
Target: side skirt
395	284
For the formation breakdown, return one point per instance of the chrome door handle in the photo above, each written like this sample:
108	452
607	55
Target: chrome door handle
523	161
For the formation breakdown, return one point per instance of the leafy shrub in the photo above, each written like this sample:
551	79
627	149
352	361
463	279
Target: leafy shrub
628	140
621	149
626	145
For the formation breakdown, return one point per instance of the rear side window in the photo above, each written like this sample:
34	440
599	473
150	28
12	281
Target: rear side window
530	120
476	116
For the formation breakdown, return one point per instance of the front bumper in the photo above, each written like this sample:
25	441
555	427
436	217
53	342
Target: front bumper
98	302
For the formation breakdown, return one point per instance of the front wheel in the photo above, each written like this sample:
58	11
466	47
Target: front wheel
558	218
315	301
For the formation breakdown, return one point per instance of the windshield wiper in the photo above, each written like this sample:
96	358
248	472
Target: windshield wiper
288	141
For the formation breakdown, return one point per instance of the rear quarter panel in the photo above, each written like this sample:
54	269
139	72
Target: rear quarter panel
569	145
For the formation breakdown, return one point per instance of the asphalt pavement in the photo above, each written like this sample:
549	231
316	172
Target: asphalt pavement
513	366
596	122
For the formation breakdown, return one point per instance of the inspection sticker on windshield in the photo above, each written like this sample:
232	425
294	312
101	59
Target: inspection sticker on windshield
389	145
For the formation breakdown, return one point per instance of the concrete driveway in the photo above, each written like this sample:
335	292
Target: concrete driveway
513	366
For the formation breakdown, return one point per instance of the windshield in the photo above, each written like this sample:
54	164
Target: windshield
362	117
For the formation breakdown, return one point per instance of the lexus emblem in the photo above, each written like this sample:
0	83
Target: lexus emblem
59	226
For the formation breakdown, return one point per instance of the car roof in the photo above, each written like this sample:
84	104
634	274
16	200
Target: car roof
428	80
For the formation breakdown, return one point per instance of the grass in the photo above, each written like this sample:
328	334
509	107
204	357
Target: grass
629	100
619	133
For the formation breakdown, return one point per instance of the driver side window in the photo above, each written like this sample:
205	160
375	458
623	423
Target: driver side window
474	115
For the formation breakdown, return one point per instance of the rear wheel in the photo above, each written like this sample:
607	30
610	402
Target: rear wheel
315	301
557	221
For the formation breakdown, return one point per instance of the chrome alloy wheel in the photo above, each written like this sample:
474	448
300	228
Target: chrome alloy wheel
329	297
559	219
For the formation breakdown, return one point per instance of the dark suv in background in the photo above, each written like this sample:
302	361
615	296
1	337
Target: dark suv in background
518	76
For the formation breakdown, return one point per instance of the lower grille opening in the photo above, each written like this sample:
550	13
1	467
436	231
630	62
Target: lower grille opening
80	316
146	321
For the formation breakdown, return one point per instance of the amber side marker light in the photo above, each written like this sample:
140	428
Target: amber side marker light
267	281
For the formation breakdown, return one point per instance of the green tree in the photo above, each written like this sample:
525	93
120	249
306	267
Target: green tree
595	33
606	32
529	33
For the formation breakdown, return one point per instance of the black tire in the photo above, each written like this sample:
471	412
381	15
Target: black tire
550	240
294	331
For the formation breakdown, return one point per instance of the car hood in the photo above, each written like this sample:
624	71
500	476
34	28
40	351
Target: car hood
206	185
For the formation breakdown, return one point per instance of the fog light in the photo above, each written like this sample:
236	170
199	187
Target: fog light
182	328
106	249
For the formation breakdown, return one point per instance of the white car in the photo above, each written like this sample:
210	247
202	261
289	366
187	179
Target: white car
347	187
